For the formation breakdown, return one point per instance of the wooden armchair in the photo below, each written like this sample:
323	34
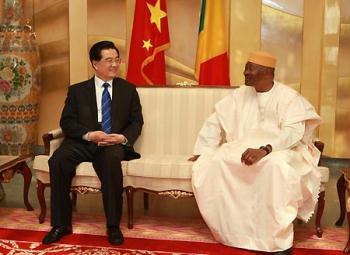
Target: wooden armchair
343	184
324	172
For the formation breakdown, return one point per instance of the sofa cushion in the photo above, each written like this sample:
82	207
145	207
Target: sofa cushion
85	173
161	166
159	184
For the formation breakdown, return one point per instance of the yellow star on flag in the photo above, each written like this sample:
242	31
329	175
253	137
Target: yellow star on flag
147	44
156	14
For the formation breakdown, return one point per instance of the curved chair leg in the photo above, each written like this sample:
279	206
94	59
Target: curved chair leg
130	201
341	186
40	188
2	192
347	247
27	178
145	201
319	213
74	201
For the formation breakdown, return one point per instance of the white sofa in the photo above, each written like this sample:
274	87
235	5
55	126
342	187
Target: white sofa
173	117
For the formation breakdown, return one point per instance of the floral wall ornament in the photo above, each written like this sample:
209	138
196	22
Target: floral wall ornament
19	81
15	78
5	87
13	136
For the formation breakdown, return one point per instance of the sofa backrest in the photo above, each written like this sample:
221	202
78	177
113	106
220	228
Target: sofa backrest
173	117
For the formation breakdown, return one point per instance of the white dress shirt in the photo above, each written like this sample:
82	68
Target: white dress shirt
99	90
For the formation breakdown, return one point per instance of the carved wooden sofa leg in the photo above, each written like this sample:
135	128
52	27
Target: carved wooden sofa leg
319	213
130	201
344	183
145	201
341	187
40	188
324	173
74	201
347	247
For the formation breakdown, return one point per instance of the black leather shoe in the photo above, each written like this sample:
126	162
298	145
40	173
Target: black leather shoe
285	252
115	236
56	234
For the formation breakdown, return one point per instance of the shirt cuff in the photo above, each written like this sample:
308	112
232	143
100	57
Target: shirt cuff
125	141
86	137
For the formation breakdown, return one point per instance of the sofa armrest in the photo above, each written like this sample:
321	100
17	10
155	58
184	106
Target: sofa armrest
51	140
320	146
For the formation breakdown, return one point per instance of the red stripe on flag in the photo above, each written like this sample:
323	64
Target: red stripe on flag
215	71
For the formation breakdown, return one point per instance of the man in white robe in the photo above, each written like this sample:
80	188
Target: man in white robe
255	163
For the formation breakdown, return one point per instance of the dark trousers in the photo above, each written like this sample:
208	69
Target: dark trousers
107	164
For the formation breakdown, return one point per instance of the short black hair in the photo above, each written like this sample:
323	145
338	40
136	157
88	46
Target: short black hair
95	51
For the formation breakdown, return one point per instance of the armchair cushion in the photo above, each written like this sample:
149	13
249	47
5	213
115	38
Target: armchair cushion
160	173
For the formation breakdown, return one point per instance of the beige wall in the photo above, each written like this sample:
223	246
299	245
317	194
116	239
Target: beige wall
245	20
316	62
100	28
51	27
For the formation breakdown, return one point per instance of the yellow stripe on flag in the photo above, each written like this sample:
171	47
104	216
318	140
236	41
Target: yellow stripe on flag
212	39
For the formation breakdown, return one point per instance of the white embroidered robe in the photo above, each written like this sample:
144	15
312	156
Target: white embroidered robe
253	207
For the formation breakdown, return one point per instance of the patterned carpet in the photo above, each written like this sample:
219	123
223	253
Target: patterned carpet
159	228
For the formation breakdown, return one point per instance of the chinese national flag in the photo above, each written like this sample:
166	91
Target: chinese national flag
149	39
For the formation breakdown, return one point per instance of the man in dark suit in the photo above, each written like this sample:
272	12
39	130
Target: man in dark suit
101	120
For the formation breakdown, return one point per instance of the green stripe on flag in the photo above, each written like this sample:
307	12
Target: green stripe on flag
201	22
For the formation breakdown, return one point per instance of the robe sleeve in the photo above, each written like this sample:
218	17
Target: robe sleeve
209	137
292	125
289	136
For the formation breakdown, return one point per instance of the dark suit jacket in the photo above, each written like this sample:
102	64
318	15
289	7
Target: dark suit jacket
79	114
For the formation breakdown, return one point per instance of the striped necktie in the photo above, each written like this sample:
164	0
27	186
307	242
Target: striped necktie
106	110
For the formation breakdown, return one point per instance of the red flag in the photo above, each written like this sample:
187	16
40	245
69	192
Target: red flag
149	39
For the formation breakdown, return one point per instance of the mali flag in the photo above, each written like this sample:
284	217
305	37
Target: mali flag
212	66
149	39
